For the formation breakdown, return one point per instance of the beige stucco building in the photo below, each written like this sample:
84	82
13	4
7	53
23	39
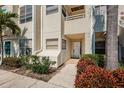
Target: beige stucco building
59	31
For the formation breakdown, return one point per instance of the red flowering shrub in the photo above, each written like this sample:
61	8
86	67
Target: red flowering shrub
95	77
119	75
82	64
89	75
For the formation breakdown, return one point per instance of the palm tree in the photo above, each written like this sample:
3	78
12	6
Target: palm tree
7	21
112	39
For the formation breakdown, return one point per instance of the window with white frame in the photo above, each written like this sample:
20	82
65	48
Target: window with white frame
52	43
22	14
63	44
25	13
50	9
25	46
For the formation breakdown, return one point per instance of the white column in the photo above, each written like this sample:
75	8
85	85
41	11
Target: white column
89	36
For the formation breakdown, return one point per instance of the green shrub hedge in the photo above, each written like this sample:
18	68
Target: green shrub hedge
42	66
97	58
25	60
37	64
12	61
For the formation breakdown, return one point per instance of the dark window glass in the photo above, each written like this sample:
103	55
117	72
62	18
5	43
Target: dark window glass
25	47
100	47
7	48
28	13
22	14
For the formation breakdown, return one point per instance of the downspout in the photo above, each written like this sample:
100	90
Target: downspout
33	28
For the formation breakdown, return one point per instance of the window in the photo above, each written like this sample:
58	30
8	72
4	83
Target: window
100	47
100	15
63	44
99	23
25	46
22	14
28	13
25	13
122	53
52	43
50	9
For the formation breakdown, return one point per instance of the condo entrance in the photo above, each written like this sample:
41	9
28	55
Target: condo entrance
76	49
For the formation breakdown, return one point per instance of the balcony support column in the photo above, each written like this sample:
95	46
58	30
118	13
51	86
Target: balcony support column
88	43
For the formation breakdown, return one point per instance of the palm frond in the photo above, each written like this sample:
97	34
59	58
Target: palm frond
14	28
10	15
7	19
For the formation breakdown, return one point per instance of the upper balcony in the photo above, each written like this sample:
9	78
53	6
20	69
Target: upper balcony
76	19
73	17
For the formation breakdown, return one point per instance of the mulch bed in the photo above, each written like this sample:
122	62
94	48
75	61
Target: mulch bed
26	72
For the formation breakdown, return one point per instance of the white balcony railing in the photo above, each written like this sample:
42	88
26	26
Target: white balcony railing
77	16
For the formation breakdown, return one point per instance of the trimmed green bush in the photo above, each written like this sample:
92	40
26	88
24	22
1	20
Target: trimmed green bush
42	66
97	58
12	61
25	60
37	64
39	68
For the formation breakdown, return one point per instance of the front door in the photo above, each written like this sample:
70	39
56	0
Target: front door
75	49
7	48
